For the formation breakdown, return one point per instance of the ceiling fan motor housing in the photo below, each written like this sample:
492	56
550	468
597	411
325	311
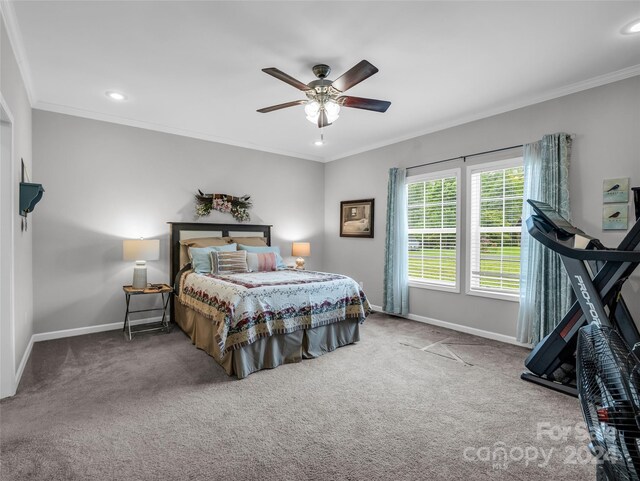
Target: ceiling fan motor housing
321	70
320	90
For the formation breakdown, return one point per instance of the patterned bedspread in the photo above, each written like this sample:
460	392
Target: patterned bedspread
252	305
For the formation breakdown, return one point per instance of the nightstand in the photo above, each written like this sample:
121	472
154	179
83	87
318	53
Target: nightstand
161	289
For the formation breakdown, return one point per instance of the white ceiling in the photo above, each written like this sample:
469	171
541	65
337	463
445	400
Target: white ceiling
194	68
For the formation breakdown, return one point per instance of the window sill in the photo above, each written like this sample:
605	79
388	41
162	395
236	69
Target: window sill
434	287
494	295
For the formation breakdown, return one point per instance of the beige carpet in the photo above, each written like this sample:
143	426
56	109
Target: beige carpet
97	407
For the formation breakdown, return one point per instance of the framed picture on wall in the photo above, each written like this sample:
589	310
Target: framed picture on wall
615	190
356	218
615	217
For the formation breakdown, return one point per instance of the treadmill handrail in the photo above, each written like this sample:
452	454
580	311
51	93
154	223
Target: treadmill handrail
549	239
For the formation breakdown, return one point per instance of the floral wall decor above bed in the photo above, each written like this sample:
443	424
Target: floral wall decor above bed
238	207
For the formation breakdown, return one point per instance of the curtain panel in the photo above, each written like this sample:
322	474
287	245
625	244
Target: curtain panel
396	276
545	290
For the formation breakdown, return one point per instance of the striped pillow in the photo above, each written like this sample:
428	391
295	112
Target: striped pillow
228	262
261	261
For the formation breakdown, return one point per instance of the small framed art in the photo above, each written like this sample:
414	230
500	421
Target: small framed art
615	190
356	218
615	217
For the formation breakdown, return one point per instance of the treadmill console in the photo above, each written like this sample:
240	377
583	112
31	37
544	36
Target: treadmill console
555	220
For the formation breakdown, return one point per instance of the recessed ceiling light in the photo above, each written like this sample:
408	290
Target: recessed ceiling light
113	95
631	28
318	143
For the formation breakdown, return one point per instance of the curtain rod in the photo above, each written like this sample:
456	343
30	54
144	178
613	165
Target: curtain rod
464	157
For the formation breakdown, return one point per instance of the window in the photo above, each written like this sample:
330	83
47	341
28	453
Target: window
495	219
432	209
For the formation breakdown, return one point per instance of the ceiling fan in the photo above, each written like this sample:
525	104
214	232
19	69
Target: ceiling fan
324	97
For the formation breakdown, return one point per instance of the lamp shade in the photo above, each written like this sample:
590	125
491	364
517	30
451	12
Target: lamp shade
301	249
141	250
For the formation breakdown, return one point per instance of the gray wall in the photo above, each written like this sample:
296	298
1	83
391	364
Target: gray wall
14	93
606	122
106	182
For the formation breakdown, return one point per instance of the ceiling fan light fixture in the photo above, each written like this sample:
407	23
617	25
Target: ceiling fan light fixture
333	111
312	110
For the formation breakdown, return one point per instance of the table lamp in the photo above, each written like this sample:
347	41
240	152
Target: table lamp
300	249
140	250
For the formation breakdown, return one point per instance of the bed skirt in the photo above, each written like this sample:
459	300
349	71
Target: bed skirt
267	352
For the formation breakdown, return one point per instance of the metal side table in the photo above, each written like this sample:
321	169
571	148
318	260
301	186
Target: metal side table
161	289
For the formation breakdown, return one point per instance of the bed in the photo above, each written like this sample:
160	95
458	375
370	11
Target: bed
259	320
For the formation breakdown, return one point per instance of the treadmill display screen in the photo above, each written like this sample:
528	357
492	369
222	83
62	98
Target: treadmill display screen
551	216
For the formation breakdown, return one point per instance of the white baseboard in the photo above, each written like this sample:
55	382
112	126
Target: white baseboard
460	328
47	336
80	331
23	364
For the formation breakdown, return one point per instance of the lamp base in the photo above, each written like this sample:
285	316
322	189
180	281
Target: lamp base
139	276
299	263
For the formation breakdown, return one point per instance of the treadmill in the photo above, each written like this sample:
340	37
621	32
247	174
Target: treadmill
607	269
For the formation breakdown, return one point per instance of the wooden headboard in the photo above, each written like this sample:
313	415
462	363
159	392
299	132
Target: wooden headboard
185	230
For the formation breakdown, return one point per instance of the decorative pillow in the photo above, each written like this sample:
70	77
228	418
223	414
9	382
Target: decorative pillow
228	262
251	241
259	250
200	259
206	241
199	242
261	261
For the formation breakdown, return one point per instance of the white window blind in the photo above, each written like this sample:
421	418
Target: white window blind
495	228
433	229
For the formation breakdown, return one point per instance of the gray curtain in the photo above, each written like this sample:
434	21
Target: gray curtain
396	277
545	290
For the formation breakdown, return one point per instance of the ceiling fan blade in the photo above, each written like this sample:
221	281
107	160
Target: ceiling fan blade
280	75
282	106
322	119
354	76
362	103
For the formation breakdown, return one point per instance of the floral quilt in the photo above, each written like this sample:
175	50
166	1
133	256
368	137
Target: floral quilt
249	306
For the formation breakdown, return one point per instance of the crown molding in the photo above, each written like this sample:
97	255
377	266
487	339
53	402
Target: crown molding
525	102
167	129
508	107
8	14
